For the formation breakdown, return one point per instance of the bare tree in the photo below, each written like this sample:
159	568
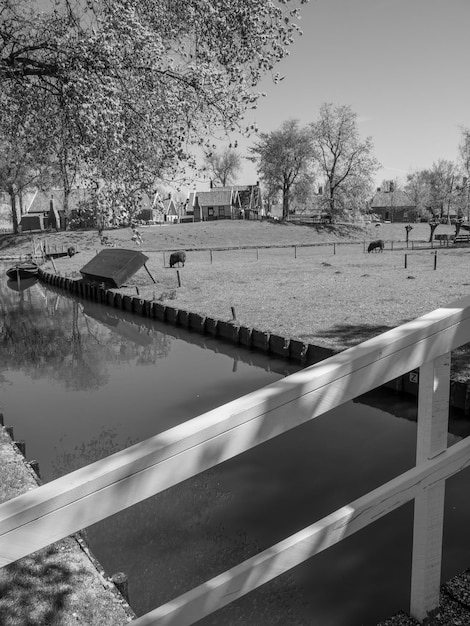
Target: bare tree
464	151
443	187
418	189
224	166
343	159
284	160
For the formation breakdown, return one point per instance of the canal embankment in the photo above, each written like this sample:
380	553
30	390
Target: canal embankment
61	584
233	331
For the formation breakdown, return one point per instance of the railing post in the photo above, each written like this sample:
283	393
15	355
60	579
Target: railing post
433	418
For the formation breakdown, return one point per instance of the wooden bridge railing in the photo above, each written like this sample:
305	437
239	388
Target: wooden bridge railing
93	493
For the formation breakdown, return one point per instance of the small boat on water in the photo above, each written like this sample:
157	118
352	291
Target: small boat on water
27	269
22	285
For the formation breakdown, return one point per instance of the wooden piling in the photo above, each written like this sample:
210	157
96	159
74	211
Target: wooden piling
21	445
121	583
34	465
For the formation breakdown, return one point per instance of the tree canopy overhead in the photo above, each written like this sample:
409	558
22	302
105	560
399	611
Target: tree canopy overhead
126	86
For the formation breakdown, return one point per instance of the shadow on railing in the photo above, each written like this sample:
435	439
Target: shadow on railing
64	506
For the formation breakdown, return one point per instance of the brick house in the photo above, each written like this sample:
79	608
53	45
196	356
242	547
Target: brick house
393	205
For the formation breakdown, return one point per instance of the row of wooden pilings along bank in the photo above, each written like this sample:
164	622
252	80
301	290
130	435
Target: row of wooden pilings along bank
277	345
71	557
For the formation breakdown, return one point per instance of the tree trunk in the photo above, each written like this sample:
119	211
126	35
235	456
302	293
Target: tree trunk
14	213
432	226
285	202
332	207
67	191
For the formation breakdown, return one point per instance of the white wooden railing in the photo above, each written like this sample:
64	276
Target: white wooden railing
93	493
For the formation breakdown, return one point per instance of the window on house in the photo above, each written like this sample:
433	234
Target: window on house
210	210
221	211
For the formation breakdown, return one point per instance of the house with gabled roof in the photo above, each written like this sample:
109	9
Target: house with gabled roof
219	203
392	205
170	210
187	209
157	210
250	200
46	208
150	211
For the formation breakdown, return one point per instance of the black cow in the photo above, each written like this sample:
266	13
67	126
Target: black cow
377	245
71	250
177	257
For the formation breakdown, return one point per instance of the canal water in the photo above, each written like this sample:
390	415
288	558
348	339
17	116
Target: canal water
79	381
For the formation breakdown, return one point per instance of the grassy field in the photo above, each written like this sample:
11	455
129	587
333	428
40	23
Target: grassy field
333	295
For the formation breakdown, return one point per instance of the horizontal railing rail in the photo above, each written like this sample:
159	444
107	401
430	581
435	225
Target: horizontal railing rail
59	508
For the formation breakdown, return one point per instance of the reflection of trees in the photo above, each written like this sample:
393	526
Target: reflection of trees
87	452
47	335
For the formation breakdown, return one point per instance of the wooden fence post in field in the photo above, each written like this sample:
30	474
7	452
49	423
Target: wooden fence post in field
433	417
435	259
179	278
406	261
334	248
210	252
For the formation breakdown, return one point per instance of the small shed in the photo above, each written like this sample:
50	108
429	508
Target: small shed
113	266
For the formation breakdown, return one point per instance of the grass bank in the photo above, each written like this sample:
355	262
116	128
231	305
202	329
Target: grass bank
315	284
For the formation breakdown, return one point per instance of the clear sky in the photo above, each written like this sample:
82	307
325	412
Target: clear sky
402	65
